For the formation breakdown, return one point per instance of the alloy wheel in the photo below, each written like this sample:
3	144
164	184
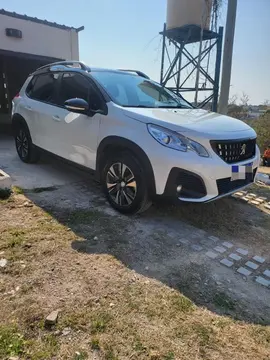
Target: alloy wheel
121	184
22	144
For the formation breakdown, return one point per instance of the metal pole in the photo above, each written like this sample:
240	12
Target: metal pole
198	69
227	56
179	68
163	54
217	70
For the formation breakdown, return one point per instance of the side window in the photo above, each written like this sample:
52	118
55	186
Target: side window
42	87
74	85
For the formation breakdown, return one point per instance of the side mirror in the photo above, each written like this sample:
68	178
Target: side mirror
77	105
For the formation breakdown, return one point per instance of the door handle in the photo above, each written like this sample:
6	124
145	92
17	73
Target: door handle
56	118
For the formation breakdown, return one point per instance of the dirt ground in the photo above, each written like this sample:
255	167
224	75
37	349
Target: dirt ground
140	287
265	170
126	288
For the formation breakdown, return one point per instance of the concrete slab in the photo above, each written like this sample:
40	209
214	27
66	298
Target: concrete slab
259	259
48	172
5	180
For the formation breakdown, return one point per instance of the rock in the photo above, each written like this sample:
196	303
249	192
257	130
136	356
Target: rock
11	293
146	268
66	331
13	358
3	262
95	238
112	304
51	319
27	204
154	355
17	288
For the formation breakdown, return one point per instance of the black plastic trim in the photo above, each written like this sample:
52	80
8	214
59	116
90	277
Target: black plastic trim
117	143
185	178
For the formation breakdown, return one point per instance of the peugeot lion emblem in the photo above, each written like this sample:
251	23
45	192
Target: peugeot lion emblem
243	149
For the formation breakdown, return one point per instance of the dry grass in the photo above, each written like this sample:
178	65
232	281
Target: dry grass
110	311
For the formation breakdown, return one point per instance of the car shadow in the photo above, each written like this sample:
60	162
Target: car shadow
148	244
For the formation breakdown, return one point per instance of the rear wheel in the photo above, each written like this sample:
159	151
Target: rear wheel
124	184
26	150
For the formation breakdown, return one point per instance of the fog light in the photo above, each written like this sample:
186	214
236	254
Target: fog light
179	188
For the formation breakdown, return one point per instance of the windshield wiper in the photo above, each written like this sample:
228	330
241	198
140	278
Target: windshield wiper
139	106
173	107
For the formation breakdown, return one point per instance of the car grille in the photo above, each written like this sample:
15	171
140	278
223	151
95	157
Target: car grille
234	151
226	185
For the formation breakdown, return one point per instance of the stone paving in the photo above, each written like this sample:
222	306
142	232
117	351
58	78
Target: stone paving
230	255
252	199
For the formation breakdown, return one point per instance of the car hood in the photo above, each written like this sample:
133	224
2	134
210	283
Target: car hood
190	120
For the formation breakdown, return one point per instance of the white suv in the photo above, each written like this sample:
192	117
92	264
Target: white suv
141	139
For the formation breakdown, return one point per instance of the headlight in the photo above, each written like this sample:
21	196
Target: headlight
175	141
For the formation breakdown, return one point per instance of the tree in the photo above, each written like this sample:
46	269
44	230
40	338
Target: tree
244	99
262	128
234	110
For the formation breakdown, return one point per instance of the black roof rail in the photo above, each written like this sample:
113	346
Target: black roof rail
138	72
65	63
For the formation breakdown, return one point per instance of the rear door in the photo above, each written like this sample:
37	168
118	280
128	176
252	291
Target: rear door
40	104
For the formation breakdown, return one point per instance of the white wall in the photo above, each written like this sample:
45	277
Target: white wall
39	39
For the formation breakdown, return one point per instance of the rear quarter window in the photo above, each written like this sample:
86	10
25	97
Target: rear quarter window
42	87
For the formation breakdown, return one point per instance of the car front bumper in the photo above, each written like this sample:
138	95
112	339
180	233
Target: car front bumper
206	180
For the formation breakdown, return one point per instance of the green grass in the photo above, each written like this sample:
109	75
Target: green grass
99	324
94	343
12	343
223	301
169	356
5	194
109	354
81	217
42	189
17	190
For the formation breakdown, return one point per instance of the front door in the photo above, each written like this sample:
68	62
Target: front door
77	133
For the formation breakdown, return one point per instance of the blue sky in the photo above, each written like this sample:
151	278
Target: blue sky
124	33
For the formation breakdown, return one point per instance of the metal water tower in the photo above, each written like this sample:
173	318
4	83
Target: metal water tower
190	22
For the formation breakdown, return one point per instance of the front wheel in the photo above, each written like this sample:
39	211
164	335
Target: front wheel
124	184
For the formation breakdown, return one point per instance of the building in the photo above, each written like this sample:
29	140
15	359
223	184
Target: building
27	43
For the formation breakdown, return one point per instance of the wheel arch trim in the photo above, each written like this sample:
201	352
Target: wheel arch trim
123	143
16	119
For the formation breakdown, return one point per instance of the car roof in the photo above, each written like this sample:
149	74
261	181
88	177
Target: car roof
78	66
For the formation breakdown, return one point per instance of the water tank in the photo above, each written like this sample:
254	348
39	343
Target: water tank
188	12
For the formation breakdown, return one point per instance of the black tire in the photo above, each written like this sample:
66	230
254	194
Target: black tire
26	150
124	184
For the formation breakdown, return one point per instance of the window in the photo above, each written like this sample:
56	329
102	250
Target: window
42	87
74	85
131	90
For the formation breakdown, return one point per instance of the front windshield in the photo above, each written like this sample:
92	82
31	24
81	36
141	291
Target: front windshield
131	90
